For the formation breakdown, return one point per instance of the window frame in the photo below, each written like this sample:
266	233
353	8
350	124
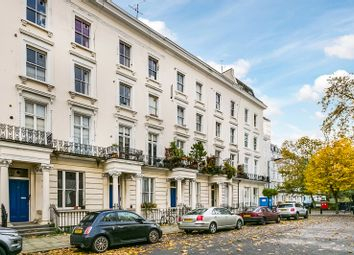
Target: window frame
81	34
217	129
124	138
63	189
82	127
124	54
125	98
181	115
232	135
199	122
246	140
255	143
152	68
153	109
199	91
218	101
255	122
37	13
152	147
180	82
83	84
150	190
246	164
35	115
246	115
232	108
35	65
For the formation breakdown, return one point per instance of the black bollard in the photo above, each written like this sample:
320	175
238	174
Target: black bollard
3	216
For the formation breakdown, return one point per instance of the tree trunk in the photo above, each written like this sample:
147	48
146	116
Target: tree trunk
335	195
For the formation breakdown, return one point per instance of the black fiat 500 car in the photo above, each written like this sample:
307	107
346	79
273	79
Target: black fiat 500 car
102	229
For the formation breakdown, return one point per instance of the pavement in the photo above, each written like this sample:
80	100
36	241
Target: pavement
59	241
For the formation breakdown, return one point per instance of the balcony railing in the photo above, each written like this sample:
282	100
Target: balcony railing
97	151
254	177
25	135
78	149
115	151
154	161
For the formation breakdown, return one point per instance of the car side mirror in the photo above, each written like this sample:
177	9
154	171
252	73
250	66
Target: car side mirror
140	220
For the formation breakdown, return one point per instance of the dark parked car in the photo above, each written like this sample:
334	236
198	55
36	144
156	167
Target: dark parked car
102	229
10	241
260	215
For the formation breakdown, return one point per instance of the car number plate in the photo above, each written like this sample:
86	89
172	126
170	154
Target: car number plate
246	216
78	231
187	220
283	210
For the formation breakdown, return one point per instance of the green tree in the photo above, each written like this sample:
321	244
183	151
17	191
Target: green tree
295	158
338	104
331	169
197	155
268	192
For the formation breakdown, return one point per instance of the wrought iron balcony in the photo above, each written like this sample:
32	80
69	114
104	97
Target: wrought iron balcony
254	177
25	135
79	149
86	150
115	151
154	161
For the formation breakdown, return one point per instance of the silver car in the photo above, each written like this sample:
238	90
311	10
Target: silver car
210	219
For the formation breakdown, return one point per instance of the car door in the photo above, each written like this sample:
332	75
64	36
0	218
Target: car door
269	214
131	227
221	217
108	225
229	218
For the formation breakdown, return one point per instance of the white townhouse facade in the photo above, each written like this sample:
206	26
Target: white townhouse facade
91	97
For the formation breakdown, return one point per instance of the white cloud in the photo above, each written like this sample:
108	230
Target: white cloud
320	115
343	47
160	26
241	67
315	91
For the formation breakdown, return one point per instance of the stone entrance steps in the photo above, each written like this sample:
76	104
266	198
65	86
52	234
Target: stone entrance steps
31	229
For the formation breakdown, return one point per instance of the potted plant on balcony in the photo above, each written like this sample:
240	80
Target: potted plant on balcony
173	156
211	166
197	156
229	170
114	151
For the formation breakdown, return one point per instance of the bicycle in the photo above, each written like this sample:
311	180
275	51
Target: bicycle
167	218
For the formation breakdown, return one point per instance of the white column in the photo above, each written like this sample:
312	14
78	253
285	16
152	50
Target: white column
219	193
179	191
45	192
229	186
138	193
193	194
115	177
4	185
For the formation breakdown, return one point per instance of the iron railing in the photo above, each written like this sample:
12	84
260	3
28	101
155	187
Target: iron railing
116	151
78	149
25	135
154	161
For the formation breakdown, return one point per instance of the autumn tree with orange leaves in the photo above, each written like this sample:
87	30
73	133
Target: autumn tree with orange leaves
331	169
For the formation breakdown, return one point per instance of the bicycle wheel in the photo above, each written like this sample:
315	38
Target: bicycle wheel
171	219
163	220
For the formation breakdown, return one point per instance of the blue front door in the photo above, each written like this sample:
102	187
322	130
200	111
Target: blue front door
19	200
173	196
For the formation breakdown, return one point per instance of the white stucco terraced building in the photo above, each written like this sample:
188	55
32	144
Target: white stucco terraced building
90	99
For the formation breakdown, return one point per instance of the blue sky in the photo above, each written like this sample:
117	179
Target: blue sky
284	50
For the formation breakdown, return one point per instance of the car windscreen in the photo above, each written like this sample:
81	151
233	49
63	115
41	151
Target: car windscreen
197	211
286	206
89	218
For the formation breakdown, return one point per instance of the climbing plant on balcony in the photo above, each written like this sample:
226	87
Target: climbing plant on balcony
197	156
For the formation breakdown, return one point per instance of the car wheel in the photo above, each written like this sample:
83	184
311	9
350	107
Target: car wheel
306	215
239	224
263	221
100	244
278	219
212	228
2	251
188	231
297	216
153	236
